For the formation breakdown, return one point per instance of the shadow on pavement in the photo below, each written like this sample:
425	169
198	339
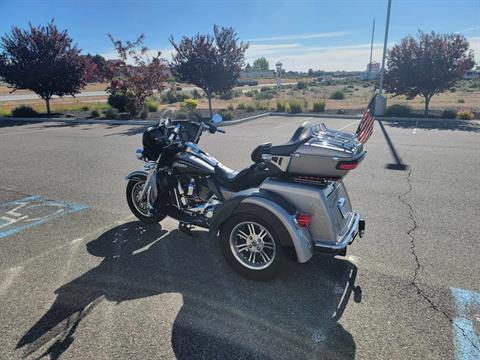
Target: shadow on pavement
398	164
440	124
224	316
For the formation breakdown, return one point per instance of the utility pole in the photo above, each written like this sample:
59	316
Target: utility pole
381	101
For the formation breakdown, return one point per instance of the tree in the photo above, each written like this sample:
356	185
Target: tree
261	64
138	81
97	69
428	65
212	63
42	59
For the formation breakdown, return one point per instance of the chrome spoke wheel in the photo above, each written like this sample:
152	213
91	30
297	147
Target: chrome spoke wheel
252	245
140	204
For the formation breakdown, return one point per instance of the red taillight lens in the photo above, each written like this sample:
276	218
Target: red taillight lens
347	166
303	220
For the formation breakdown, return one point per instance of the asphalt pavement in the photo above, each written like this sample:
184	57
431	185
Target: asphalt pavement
80	278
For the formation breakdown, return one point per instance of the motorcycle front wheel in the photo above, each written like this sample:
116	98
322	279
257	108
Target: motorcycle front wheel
139	207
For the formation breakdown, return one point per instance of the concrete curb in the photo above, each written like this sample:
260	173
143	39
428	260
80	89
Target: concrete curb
81	121
316	115
239	121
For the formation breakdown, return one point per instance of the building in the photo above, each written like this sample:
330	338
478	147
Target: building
472	74
373	69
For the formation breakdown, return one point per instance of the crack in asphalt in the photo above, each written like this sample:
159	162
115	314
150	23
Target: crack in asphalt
418	265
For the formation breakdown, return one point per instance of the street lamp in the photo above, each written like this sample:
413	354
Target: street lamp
278	74
381	101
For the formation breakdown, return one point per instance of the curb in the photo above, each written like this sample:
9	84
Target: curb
316	115
81	121
239	121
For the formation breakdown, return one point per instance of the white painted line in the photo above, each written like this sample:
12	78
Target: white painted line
11	274
352	123
415	128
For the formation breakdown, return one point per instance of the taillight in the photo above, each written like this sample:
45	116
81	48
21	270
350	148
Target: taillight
347	165
303	220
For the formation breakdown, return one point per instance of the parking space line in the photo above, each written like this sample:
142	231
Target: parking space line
346	126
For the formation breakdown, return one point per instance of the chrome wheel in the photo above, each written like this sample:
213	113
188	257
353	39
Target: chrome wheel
252	245
140	205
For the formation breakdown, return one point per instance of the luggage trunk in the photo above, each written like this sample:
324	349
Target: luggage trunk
329	154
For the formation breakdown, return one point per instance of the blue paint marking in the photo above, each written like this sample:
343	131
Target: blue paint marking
466	323
21	214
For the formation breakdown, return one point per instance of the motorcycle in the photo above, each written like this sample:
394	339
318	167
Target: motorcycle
289	203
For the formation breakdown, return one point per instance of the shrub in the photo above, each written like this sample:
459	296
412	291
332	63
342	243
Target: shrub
85	108
95	113
171	97
180	115
465	115
341	112
230	107
318	106
241	106
144	112
398	110
190	104
227	95
295	107
152	106
24	111
281	106
250	108
337	95
196	94
461	101
226	115
118	101
449	114
111	113
265	88
301	85
260	106
264	95
251	93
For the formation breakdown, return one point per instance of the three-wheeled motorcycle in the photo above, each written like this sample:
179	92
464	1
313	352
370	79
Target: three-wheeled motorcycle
290	202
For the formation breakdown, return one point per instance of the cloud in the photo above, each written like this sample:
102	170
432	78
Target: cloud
468	30
302	36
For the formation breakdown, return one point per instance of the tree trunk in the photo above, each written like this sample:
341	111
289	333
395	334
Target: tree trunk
427	103
47	102
209	95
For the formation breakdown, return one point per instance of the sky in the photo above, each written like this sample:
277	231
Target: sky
323	35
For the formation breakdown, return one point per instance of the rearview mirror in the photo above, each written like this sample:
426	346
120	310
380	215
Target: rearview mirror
217	118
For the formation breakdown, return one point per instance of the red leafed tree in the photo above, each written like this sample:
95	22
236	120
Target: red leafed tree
212	63
96	69
138	75
42	59
428	65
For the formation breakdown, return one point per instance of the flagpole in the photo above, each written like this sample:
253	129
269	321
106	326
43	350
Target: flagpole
381	105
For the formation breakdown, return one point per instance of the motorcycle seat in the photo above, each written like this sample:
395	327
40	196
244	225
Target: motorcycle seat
301	136
239	180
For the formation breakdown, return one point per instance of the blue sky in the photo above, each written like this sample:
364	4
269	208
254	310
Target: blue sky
327	35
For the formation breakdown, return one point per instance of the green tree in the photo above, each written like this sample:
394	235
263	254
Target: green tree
427	65
261	64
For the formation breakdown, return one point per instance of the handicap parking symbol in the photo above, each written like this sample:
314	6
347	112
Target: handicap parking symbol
18	215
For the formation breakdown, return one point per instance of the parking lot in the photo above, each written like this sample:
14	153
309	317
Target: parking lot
81	278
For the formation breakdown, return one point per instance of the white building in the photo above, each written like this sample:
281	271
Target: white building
373	69
472	74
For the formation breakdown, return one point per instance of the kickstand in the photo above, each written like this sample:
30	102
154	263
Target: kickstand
187	229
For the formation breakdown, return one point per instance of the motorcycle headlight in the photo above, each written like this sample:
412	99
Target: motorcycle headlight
139	153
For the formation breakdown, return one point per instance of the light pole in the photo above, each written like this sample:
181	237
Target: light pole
278	67
381	101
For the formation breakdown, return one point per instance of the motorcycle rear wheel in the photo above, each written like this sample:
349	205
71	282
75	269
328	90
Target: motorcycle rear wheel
138	207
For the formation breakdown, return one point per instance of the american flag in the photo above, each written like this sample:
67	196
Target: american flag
365	128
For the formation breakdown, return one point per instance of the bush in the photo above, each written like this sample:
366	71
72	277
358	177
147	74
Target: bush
227	95
118	101
196	94
465	115
260	106
24	111
264	95
144	112
180	115
190	104
449	114
230	107
241	106
251	93
95	113
398	110
461	101
111	113
250	108
85	108
337	95
341	112
281	106
318	106
295	107
226	115
171	97
301	85
152	106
